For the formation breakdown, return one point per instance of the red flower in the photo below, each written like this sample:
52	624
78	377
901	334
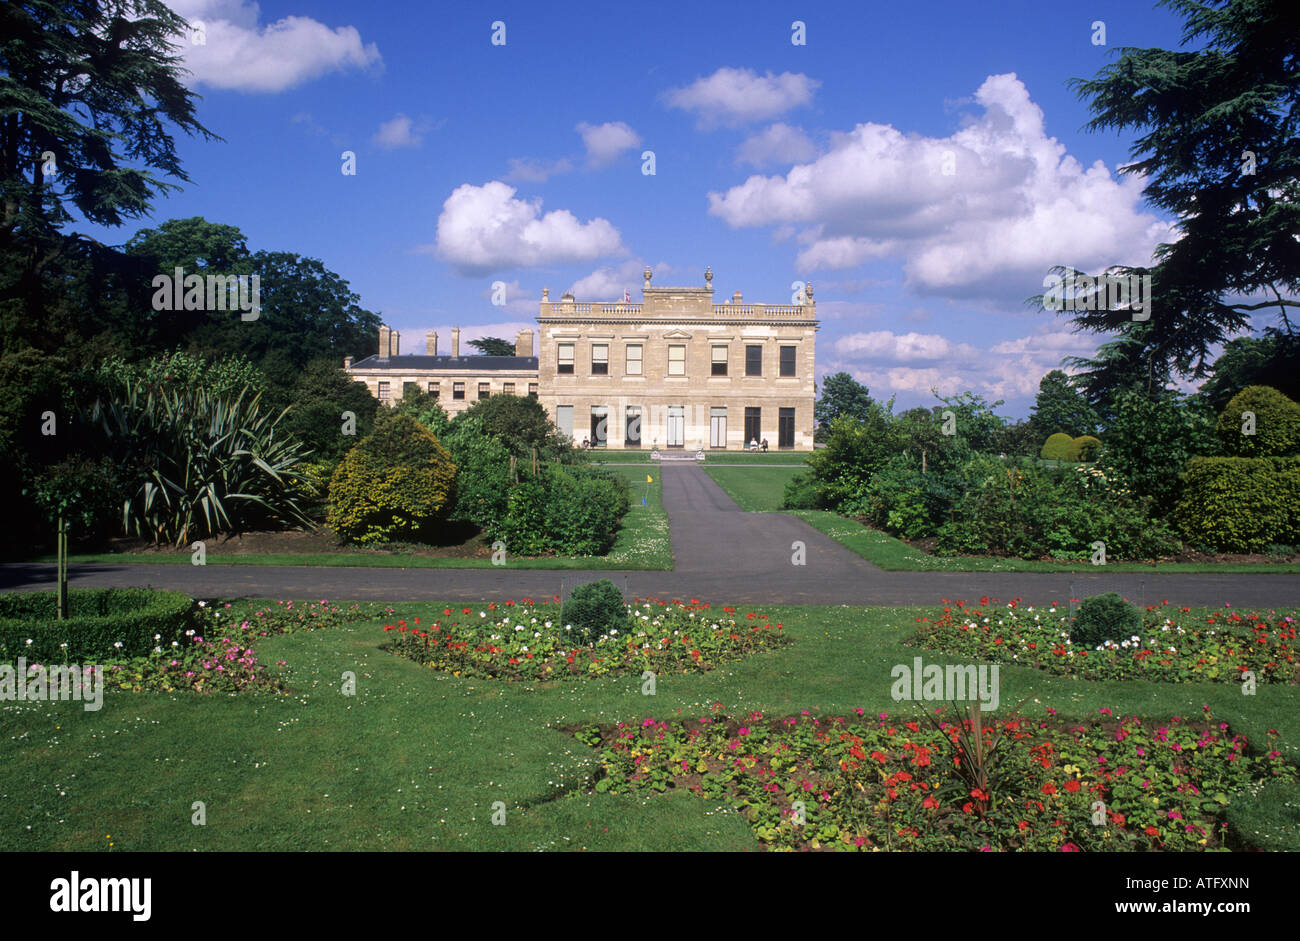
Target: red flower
1070	848
1049	788
1072	786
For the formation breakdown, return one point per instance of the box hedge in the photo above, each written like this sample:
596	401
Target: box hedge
1057	447
1240	504
100	619
1083	448
1276	431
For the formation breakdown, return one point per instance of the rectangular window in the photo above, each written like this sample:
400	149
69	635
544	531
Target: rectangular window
717	427
677	360
410	388
785	430
632	427
600	359
753	427
433	389
719	361
484	390
384	395
508	388
458	390
564	364
676	426
564	419
599	426
532	390
787	360
753	361
634	359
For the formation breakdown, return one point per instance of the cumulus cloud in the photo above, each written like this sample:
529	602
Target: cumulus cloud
776	145
980	214
893	347
605	142
733	97
241	54
482	228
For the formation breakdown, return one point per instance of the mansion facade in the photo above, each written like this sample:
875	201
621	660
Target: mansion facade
675	371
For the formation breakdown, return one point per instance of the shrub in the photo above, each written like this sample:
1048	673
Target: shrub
908	503
1102	618
1277	424
482	474
854	451
1150	440
520	424
1057	447
101	620
800	494
1241	504
1083	448
396	484
572	510
86	493
594	609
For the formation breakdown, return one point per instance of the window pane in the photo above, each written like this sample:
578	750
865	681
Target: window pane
433	389
384	395
753	361
565	358
632	427
458	390
508	388
532	390
600	359
719	361
787	360
676	360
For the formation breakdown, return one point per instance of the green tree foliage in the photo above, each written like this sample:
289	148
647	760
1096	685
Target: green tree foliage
520	424
570	510
1259	422
975	422
493	346
1216	141
1083	448
1060	407
1150	441
841	395
397	484
1104	618
322	394
855	450
1269	360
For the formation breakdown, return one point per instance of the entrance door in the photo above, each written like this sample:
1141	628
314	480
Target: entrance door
717	428
676	426
753	425
785	429
599	426
632	428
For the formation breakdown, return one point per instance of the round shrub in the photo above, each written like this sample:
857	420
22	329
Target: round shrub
1276	424
1057	447
1102	618
594	609
101	619
397	484
1083	448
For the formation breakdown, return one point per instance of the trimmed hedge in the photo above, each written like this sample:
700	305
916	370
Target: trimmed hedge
566	510
1277	424
101	618
1083	448
1240	504
1057	447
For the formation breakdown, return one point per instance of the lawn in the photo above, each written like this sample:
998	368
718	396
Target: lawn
757	489
642	543
894	555
418	759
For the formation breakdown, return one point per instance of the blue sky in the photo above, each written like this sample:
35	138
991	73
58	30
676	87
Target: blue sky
921	163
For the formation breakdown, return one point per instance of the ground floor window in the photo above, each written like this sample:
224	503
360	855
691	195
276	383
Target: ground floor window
753	425
384	395
676	431
785	429
632	427
564	419
599	426
717	427
433	389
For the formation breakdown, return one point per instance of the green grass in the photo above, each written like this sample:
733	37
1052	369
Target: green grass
756	489
417	759
642	543
711	457
894	555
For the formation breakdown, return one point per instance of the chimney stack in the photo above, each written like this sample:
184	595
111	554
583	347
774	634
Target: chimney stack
347	362
455	341
394	343
431	343
385	334
524	343
735	298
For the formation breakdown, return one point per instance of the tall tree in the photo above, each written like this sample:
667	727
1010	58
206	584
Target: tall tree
493	346
842	395
1219	149
1270	360
1061	407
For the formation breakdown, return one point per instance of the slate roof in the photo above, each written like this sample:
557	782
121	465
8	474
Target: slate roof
457	363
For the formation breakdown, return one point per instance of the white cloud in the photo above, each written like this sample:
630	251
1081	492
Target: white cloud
1013	205
894	347
740	96
528	170
482	228
609	282
399	132
605	142
775	145
239	54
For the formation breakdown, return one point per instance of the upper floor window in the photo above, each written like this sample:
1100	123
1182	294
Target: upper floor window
564	363
753	361
634	359
677	360
600	359
787	360
719	360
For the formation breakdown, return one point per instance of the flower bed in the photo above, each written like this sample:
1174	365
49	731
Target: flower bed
526	641
896	784
1172	647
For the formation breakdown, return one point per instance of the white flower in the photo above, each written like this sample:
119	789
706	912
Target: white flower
203	604
29	642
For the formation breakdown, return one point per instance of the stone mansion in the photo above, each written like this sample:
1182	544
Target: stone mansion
675	371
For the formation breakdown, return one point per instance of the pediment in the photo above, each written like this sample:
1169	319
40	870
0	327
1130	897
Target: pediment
677	335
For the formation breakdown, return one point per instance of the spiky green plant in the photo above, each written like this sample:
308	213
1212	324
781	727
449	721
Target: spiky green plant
199	464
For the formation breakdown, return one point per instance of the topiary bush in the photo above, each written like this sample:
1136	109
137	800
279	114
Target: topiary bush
594	609
101	619
1057	447
1276	424
397	484
1083	448
1240	504
1102	618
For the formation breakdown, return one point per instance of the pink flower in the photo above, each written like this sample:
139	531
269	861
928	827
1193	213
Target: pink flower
744	731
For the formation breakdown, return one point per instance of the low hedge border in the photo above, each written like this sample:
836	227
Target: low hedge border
101	619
